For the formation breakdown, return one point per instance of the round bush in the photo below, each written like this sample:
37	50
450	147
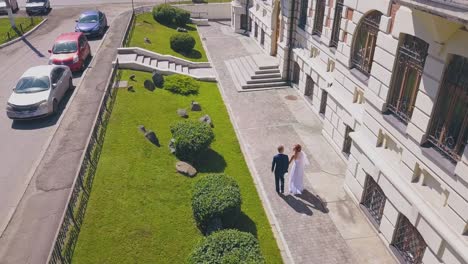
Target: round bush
227	247
181	84
182	42
182	17
216	202
164	14
191	138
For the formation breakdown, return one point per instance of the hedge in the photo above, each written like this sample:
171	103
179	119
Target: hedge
192	138
182	42
181	84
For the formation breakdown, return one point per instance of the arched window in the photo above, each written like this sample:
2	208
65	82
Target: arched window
364	42
449	124
407	72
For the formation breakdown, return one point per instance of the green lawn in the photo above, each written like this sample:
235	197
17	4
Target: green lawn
140	208
159	35
24	23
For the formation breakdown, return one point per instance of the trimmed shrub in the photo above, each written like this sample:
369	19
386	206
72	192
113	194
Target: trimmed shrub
169	15
164	14
191	138
182	17
216	202
227	247
182	42
181	84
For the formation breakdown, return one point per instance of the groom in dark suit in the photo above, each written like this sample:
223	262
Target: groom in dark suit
280	166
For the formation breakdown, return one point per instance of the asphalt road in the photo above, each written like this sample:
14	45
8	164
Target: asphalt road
21	143
89	3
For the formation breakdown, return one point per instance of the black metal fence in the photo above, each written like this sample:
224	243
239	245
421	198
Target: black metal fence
67	235
20	29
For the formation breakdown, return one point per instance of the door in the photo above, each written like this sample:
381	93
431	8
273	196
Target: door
243	19
60	84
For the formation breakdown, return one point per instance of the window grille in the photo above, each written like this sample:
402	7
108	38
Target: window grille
323	102
407	242
336	24
373	200
364	44
296	73
319	15
256	30
407	73
347	141
303	14
449	124
309	89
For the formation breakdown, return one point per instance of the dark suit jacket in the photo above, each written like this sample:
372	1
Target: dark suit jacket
280	163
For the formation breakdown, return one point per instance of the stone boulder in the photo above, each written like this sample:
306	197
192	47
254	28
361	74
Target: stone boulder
181	29
132	77
172	147
182	113
207	119
149	85
185	169
151	136
195	106
158	79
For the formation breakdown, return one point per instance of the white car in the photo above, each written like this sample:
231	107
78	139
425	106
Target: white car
39	92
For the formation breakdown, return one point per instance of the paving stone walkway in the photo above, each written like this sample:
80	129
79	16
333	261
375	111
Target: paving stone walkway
323	225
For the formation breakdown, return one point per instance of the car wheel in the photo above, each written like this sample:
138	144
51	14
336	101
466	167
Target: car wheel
70	84
54	107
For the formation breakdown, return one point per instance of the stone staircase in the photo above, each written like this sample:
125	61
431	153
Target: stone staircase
256	72
144	60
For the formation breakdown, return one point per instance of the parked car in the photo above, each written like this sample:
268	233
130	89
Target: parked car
39	91
71	49
34	7
13	6
92	23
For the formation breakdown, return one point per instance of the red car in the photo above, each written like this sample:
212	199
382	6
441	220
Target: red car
71	49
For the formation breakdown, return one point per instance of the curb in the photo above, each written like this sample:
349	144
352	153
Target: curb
273	221
24	35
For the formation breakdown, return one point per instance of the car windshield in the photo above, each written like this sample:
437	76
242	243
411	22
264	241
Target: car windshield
32	84
88	19
65	47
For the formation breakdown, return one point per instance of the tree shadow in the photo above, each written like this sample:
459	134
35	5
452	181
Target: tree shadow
193	54
246	224
211	161
305	202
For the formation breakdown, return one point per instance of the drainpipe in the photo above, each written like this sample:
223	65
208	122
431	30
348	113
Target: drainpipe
290	39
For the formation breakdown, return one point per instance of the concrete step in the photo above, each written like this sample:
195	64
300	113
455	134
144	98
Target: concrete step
178	68
140	58
146	60
267	80
265	88
264	85
269	67
247	66
126	57
185	69
172	66
154	62
237	76
251	63
239	70
258	72
163	64
265	76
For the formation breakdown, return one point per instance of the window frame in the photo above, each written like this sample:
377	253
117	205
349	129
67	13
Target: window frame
400	239
319	18
335	35
303	14
323	103
309	89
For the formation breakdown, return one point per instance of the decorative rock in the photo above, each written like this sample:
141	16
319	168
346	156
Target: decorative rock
185	169
132	77
182	113
206	119
147	40
196	106
130	89
181	29
172	146
158	79
142	129
151	136
149	85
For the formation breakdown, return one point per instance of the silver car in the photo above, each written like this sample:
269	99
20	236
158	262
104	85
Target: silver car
39	92
13	6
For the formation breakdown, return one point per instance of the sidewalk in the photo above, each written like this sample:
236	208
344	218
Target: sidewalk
30	234
323	225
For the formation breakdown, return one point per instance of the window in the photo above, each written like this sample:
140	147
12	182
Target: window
243	20
373	200
336	24
309	89
262	37
407	242
347	141
364	42
448	131
318	20
296	73
323	102
303	14
407	73
256	30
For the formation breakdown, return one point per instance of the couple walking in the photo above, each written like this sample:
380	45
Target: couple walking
280	166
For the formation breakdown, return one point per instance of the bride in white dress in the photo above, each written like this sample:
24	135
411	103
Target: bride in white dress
296	175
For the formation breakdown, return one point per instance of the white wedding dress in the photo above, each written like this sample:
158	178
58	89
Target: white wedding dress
296	175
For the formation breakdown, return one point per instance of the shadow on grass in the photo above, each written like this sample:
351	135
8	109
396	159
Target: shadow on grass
194	54
246	224
211	161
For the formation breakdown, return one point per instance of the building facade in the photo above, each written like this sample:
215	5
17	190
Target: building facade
389	80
